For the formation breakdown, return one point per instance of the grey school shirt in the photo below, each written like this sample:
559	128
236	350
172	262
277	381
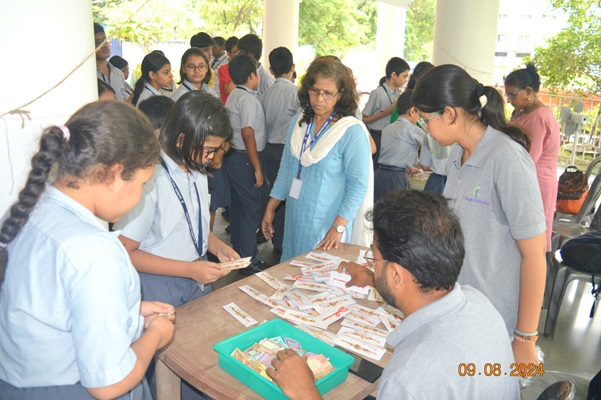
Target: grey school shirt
245	110
266	80
498	201
280	103
435	156
431	343
380	99
400	142
117	82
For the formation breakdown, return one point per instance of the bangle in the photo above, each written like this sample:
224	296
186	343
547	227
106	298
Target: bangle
529	339
522	334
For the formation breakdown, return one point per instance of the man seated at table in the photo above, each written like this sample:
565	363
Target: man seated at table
418	252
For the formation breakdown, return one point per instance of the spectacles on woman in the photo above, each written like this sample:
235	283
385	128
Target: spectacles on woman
327	96
208	151
512	95
424	122
199	67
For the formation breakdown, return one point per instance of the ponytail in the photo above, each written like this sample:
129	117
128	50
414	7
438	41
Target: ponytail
451	86
52	144
139	86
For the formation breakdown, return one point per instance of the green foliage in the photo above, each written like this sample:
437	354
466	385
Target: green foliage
333	26
419	33
229	17
570	60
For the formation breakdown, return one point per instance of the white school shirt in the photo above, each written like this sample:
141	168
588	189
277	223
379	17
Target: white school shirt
187	86
147	93
380	99
70	303
158	221
117	81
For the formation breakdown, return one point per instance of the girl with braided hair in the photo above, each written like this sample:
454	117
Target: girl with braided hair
492	183
72	325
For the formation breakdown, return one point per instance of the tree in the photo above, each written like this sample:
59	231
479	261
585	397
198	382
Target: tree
419	31
570	60
229	17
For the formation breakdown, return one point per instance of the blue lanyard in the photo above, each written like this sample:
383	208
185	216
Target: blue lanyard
197	244
104	77
186	86
387	94
244	88
315	139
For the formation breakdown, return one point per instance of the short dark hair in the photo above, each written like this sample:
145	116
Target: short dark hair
329	67
156	109
419	231
219	41
201	39
520	78
396	64
420	68
195	115
103	87
196	52
241	67
230	43
98	28
280	61
251	44
404	103
118	62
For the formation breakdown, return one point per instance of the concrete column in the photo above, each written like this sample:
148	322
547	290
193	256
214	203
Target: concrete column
465	34
390	34
280	27
42	42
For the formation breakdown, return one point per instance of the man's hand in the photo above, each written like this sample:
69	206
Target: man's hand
292	374
360	275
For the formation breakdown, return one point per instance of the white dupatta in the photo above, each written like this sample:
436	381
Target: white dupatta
361	234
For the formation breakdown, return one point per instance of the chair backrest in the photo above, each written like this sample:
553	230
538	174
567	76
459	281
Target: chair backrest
588	206
562	390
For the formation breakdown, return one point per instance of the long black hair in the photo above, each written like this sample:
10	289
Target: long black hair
451	86
194	116
101	134
152	62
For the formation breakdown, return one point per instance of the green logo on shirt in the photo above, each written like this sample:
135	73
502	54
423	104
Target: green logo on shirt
475	191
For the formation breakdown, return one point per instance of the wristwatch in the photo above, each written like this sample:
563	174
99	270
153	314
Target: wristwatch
339	228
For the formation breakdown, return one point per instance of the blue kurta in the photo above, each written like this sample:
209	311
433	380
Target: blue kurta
336	185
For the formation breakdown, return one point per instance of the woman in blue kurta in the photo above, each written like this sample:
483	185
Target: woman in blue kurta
324	176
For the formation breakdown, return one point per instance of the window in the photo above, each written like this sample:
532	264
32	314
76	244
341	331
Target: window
501	38
524	38
520	55
501	54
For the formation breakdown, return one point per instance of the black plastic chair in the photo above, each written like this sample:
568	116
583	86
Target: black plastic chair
562	390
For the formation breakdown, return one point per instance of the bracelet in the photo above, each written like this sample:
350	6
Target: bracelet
530	339
522	334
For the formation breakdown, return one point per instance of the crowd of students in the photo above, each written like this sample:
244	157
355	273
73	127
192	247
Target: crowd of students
295	163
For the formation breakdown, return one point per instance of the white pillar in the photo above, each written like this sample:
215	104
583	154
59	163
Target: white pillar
280	27
465	34
390	34
42	42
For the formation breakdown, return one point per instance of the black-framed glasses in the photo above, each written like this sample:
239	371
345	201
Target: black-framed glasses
199	67
424	122
209	151
512	95
371	260
327	96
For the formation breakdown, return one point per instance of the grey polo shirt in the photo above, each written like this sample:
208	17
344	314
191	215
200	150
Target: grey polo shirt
280	103
266	80
431	343
498	201
117	82
187	86
147	93
434	155
245	110
379	100
400	142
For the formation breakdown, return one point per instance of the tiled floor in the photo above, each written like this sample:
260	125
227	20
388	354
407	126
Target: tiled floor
574	353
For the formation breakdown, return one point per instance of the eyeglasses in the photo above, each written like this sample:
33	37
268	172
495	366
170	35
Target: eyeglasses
512	95
199	67
207	152
424	122
371	260
327	96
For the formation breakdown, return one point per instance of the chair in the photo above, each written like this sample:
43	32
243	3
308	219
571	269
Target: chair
584	216
563	276
562	390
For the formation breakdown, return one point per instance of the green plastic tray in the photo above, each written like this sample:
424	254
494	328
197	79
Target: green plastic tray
277	327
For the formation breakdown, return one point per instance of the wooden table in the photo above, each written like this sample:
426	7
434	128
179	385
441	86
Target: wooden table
203	322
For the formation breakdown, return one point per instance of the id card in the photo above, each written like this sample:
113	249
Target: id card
296	188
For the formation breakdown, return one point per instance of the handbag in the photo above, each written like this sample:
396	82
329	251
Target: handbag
572	190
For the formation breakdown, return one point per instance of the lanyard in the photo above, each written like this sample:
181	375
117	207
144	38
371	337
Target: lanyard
187	87
244	88
388	94
315	139
104	77
197	243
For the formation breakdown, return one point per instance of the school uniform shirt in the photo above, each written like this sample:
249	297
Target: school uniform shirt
280	103
147	93
435	156
266	80
70	302
187	86
400	142
168	91
245	110
380	99
117	81
496	196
